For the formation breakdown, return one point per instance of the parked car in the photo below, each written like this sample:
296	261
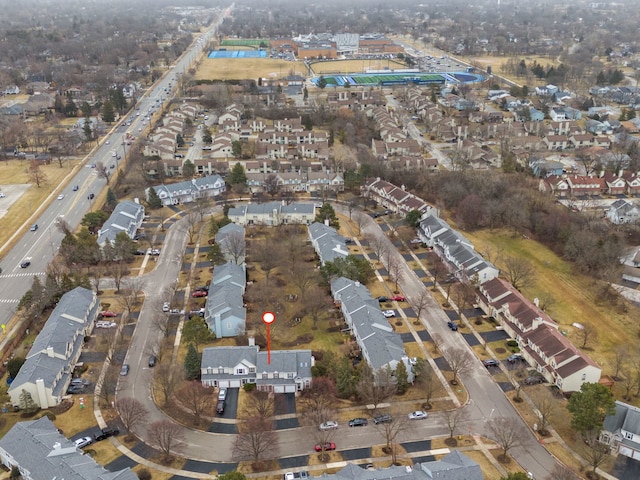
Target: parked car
220	407
154	251
490	362
108	313
389	313
383	299
417	415
222	394
327	446
358	422
124	371
83	442
198	293
384	418
34	227
166	307
106	324
329	425
398	298
516	357
452	325
75	389
106	433
533	380
152	361
295	476
140	252
80	381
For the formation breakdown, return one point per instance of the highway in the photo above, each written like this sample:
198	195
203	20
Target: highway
41	246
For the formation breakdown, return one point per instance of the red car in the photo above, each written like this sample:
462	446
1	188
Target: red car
108	314
199	293
327	446
398	298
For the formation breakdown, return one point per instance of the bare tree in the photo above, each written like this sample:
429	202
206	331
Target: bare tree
109	384
438	271
166	379
593	451
427	382
390	430
202	206
587	335
508	434
160	321
304	277
459	361
628	382
119	270
376	387
256	440
233	246
196	398
518	272
453	418
36	175
130	293
421	302
102	171
621	354
260	403
96	273
192	220
562	472
132	412
394	270
360	220
268	255
378	245
547	409
315	303
167	436
319	405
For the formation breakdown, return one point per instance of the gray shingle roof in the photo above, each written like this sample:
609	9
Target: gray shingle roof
328	243
37	447
126	217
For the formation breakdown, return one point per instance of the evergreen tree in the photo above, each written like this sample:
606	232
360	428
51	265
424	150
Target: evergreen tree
188	169
86	110
238	176
305	93
206	136
26	402
179	141
88	133
196	331
192	363
58	104
153	200
589	406
108	114
215	255
236	148
326	212
70	109
111	201
402	378
413	218
322	82
346	378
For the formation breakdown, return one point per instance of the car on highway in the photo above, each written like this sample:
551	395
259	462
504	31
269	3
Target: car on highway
328	425
452	325
124	371
358	422
2	195
91	196
34	227
25	263
106	433
83	442
417	415
75	188
61	196
108	313
491	362
383	418
389	313
198	294
326	447
152	361
398	298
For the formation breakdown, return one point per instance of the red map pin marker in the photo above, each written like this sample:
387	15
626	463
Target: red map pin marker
268	318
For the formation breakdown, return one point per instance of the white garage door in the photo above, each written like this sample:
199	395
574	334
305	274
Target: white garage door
223	383
290	389
234	384
278	389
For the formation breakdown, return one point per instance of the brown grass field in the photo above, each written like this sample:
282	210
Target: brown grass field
246	68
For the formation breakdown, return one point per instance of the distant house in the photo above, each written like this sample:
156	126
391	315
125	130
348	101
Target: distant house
453	466
40	451
47	370
622	211
328	244
224	311
544	168
189	190
272	213
127	217
232	367
621	431
394	198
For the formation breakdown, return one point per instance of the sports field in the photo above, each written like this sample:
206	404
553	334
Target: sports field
244	42
238	54
398	78
246	68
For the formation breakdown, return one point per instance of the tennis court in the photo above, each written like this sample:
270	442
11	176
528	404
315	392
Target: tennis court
398	79
238	54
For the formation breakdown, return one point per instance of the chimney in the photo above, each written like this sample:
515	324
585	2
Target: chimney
50	352
57	446
536	302
252	341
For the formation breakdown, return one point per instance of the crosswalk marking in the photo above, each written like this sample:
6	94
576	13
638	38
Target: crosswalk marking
9	300
14	275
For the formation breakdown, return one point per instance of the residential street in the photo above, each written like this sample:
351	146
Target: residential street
487	399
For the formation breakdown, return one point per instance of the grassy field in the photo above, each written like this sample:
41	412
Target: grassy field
246	68
575	297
